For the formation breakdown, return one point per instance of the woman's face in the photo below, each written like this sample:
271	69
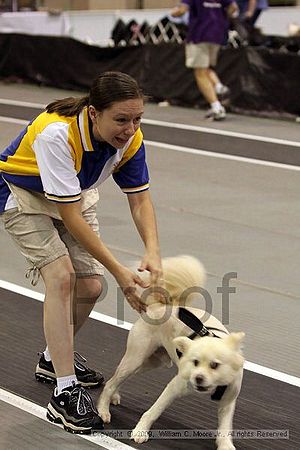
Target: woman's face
118	123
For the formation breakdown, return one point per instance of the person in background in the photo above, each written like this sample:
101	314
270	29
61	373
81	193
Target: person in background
48	199
207	29
250	10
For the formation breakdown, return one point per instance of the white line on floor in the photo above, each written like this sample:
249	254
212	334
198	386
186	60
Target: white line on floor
40	297
193	151
13	120
38	411
199	152
181	126
8	101
252	367
251	137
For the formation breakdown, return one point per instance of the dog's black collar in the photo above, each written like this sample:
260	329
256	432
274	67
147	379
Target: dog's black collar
189	319
208	332
219	392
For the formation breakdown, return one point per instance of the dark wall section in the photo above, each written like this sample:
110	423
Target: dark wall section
262	81
62	62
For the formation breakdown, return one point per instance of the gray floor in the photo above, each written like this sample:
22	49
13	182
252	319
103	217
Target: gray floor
235	216
17	429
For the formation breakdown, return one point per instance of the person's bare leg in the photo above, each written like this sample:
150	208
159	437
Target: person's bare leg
205	85
220	89
207	88
59	279
87	291
213	77
69	403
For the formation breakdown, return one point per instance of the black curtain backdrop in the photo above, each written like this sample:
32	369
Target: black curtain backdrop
263	81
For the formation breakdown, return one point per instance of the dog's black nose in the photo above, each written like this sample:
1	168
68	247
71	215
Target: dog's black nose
199	380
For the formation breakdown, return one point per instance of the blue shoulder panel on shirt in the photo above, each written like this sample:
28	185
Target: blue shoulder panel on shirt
13	147
93	163
134	173
27	182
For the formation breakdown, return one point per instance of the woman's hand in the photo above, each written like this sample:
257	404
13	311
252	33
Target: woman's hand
127	281
152	263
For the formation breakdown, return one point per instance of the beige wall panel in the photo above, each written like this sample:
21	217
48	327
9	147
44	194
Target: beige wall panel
57	4
106	4
156	4
109	4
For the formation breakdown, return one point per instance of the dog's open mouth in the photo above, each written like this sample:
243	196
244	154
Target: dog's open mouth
202	388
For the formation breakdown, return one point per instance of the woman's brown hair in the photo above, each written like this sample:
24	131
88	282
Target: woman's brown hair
106	89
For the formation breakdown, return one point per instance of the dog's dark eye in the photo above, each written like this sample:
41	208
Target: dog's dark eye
196	362
214	365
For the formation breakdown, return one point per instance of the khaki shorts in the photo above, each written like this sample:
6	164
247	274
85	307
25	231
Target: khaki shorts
201	55
42	239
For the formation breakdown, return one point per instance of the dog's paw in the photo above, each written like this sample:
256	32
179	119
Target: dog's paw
105	415
139	436
116	399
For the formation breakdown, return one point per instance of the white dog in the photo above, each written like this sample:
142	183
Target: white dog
211	364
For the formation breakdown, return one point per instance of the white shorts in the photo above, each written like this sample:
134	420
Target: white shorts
202	55
42	240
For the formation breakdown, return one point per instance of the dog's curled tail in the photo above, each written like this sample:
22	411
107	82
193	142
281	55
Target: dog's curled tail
184	276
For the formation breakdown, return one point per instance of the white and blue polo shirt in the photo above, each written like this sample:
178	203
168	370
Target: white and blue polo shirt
59	156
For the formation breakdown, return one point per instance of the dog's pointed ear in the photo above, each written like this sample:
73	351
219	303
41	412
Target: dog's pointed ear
181	344
235	340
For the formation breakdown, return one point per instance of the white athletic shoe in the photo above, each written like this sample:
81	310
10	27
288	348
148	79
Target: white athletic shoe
216	114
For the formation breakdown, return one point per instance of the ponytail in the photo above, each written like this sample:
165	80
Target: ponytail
68	107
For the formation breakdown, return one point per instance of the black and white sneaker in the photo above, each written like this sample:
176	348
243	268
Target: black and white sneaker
219	114
87	377
74	408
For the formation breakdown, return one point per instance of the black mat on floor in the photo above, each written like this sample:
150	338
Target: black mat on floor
230	145
264	404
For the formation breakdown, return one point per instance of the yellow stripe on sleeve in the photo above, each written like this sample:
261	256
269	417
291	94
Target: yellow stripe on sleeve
67	199
135	189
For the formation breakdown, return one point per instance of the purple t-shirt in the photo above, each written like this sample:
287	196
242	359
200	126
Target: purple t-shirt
207	21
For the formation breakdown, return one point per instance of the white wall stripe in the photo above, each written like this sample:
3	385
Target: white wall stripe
199	152
13	120
40	297
8	101
181	126
110	320
38	411
271	373
22	290
193	151
251	137
252	367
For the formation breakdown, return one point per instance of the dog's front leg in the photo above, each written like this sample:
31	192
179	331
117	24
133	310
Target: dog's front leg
138	350
129	364
177	387
225	418
225	415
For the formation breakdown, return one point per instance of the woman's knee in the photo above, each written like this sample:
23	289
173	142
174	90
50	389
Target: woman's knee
59	276
89	287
